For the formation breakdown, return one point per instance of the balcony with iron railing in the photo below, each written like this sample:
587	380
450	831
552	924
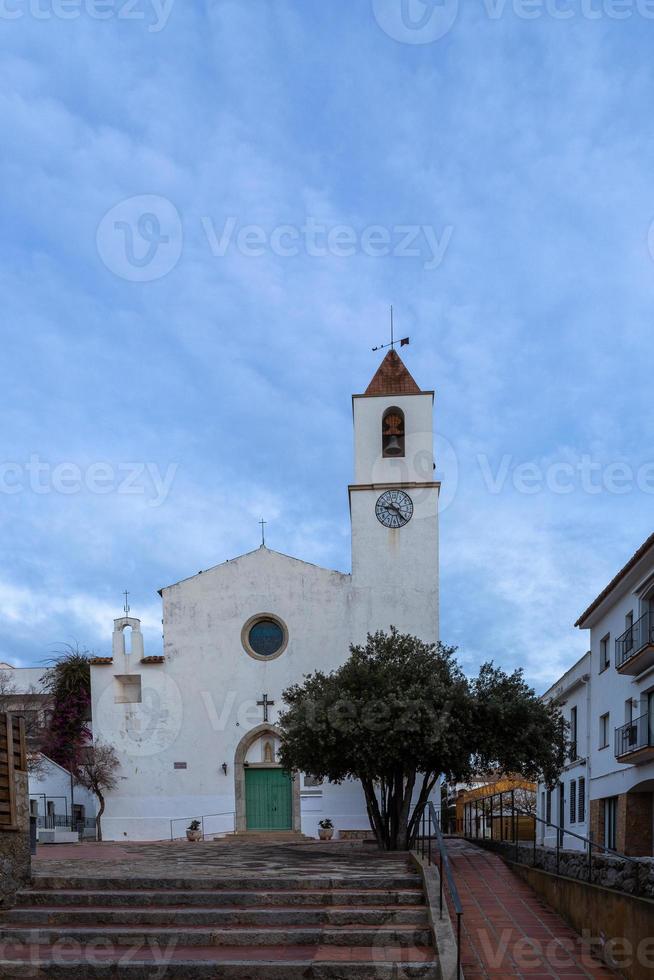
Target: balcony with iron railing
634	650
634	742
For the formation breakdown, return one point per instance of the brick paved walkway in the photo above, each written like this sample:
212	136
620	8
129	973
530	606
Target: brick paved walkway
507	930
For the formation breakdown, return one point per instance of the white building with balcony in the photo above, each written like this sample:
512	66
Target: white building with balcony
566	805
612	690
621	624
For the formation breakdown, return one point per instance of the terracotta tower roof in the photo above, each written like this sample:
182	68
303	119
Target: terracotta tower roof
392	378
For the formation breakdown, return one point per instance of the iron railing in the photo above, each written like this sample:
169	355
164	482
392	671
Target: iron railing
52	821
635	735
430	830
227	820
632	641
513	814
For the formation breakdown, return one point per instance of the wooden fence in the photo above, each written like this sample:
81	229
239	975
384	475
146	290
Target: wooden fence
13	758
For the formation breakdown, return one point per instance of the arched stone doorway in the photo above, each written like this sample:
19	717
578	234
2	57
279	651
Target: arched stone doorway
253	772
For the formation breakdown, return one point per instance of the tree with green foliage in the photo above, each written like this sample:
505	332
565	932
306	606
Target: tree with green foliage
400	713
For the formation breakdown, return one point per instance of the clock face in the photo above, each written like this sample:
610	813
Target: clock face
394	508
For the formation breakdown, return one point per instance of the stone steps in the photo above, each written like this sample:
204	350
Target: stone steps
227	963
206	883
71	916
272	926
326	935
199	898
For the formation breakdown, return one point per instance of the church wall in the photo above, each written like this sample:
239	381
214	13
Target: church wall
177	725
197	706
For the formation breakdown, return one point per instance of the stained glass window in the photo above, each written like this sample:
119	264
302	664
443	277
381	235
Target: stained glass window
266	637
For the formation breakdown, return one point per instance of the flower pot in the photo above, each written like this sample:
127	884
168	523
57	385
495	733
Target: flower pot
326	833
194	835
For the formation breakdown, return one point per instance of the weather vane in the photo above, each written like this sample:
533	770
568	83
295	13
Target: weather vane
263	532
403	342
126	605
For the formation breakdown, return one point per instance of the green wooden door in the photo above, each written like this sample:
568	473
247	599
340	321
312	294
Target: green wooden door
268	799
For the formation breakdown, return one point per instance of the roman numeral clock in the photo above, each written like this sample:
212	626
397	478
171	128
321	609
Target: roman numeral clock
394	508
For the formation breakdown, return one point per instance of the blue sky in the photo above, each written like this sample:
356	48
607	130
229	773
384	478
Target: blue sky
180	347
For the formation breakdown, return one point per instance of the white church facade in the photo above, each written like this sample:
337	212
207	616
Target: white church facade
195	727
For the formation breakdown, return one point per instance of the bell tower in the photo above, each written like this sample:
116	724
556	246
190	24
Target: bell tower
394	501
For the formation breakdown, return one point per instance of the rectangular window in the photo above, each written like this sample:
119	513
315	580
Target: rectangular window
573	733
611	822
548	811
573	802
581	800
604	731
605	652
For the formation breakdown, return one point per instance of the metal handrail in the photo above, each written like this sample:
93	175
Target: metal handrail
205	816
572	833
560	835
430	821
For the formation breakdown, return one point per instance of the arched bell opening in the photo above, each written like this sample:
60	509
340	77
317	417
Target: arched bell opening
393	433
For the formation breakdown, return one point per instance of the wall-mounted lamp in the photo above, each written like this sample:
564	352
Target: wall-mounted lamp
224	767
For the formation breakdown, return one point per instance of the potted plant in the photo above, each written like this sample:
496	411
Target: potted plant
193	831
326	831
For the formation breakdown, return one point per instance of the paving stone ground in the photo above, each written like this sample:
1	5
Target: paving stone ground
211	859
508	931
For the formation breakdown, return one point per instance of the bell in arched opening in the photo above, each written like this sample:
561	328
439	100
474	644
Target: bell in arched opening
393	432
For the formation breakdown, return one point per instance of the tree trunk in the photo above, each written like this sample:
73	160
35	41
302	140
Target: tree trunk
428	783
394	826
374	816
402	837
98	819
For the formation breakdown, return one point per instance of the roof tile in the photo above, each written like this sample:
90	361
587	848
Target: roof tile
392	378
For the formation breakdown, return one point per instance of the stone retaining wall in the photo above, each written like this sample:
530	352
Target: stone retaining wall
15	860
634	877
617	927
